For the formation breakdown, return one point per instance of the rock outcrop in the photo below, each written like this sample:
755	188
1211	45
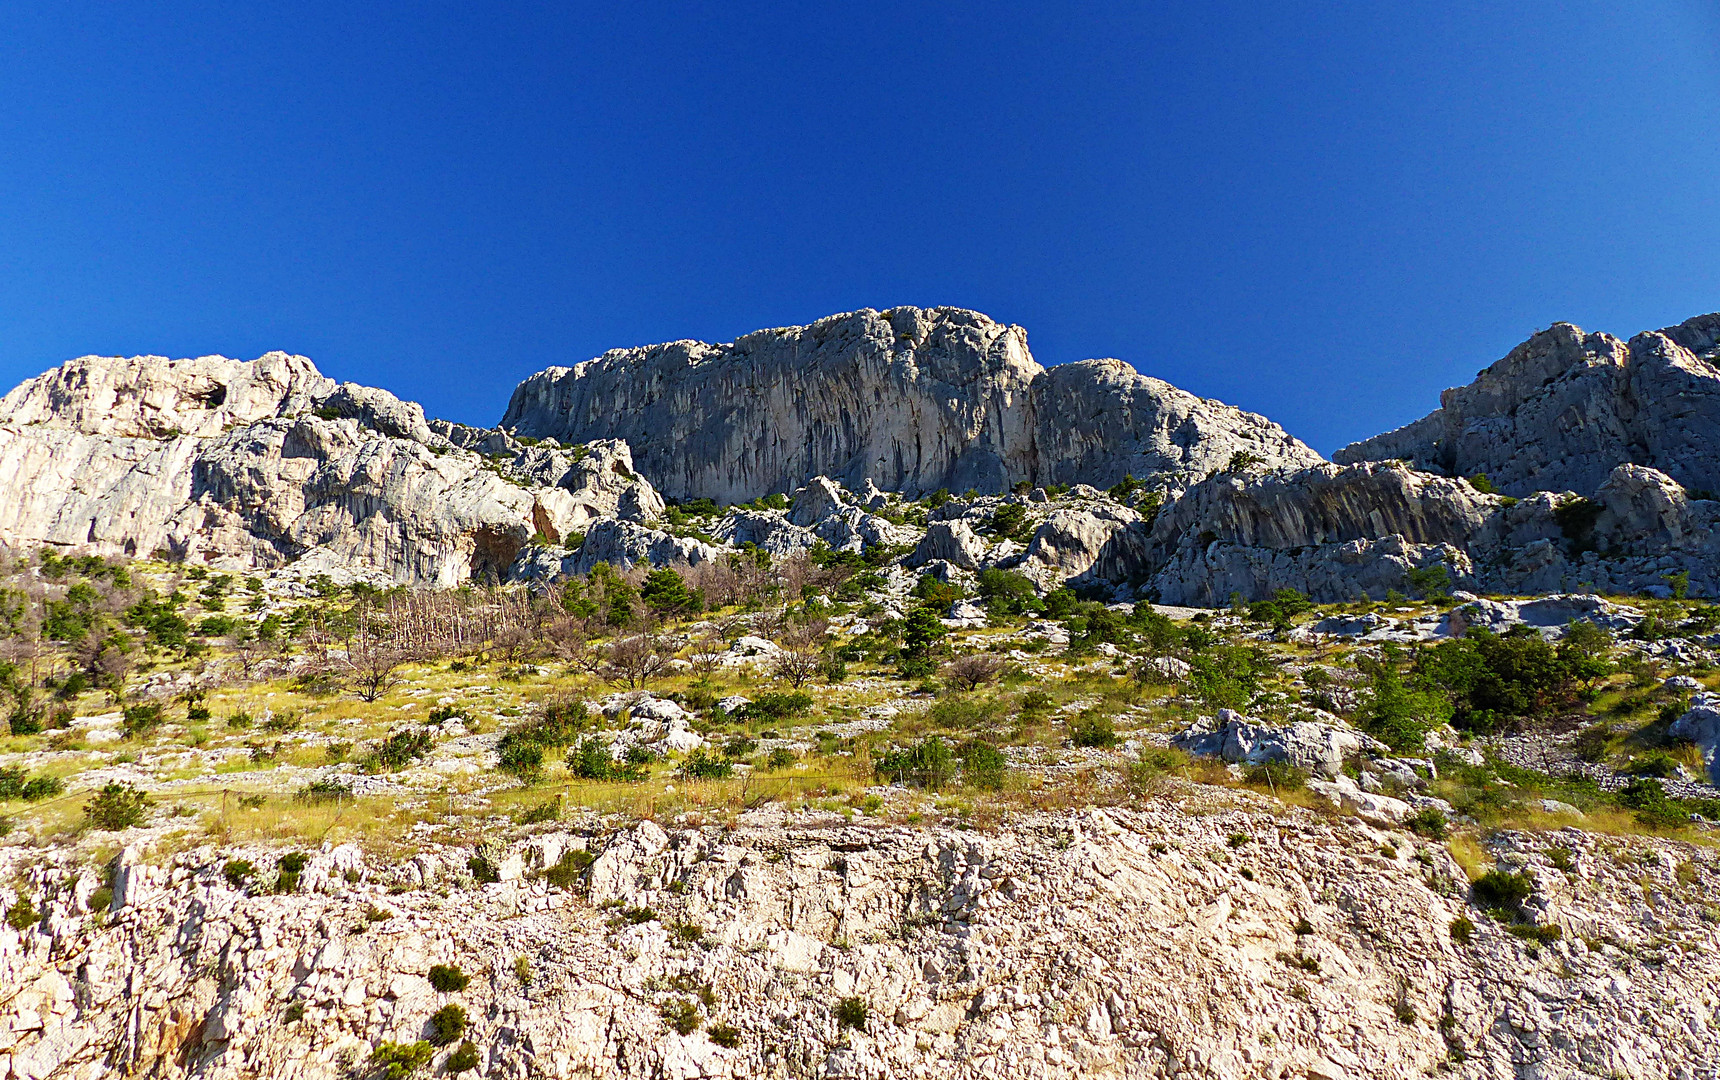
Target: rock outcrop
254	464
1347	532
1562	410
909	399
1309	950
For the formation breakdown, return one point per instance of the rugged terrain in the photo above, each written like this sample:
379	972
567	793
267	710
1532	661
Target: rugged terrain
953	717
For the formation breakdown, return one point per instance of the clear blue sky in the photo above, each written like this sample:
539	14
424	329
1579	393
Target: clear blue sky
1323	212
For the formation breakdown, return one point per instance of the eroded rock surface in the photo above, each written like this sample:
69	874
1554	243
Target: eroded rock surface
910	399
964	947
1562	410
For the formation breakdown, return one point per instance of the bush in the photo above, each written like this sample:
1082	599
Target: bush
15	783
983	765
568	869
1498	889
447	1024
291	866
973	671
702	765
928	764
401	749
1275	776
237	872
141	719
1428	822
116	807
1227	676
852	1012
780	758
447	979
328	789
681	1015
1462	930
519	757
774	707
400	1060
592	760
724	1036
22	915
1093	729
463	1059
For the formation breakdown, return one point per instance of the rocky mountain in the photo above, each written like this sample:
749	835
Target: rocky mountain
1562	410
909	399
260	463
1600	456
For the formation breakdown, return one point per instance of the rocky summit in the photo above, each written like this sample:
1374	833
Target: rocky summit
860	700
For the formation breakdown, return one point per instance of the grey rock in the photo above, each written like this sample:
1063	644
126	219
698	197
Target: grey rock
952	542
1319	748
624	545
1701	725
1562	410
912	400
1069	542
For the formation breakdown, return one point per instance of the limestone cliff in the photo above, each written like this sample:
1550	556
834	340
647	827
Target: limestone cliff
253	464
1563	409
910	399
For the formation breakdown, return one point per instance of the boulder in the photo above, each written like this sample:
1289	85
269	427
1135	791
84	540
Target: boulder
1701	725
624	545
1318	748
952	542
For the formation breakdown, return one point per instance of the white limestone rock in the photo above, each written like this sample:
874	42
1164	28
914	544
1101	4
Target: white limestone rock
1562	410
910	399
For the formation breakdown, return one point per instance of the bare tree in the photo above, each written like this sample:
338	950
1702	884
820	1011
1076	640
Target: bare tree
706	655
373	657
635	659
801	654
973	671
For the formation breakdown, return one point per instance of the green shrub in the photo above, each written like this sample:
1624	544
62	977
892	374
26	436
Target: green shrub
1462	930
780	758
1428	822
447	1024
237	872
1500	889
116	807
1274	776
400	1060
291	866
775	707
983	765
326	790
141	719
463	1059
681	1015
22	915
723	1035
568	869
401	748
1093	729
928	764
519	757
852	1012
447	979
703	765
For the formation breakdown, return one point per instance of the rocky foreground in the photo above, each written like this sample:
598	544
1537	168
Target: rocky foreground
1205	934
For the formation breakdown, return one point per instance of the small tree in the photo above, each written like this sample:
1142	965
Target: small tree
973	671
116	807
635	660
801	656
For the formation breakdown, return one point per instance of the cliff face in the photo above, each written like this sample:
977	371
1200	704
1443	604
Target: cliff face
1322	949
910	399
1563	409
253	464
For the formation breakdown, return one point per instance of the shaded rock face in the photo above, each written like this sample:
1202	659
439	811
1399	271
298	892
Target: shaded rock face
909	399
1565	408
1341	533
252	464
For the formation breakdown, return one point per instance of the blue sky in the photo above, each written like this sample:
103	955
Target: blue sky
1322	212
